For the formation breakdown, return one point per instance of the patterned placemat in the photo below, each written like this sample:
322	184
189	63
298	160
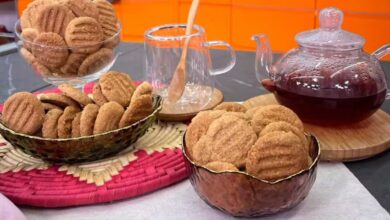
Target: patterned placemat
156	162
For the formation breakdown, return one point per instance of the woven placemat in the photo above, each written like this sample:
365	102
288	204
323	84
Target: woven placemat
157	162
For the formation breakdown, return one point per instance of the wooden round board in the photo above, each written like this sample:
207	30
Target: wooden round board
345	143
165	115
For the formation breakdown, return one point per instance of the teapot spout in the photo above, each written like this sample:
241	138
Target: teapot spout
263	63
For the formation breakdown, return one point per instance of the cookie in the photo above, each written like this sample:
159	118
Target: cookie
108	117
143	89
118	87
95	61
88	118
221	166
138	109
107	18
29	57
276	155
83	8
228	140
49	128
65	122
98	96
54	18
75	94
29	15
48	107
76	126
73	63
239	115
58	100
286	127
84	34
112	42
273	113
28	37
250	112
50	49
40	69
23	113
199	126
231	107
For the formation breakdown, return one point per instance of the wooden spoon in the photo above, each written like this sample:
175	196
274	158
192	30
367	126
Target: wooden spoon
177	86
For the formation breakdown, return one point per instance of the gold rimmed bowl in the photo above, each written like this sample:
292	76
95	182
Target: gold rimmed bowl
242	195
81	149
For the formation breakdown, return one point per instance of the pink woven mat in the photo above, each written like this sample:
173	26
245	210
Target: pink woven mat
53	188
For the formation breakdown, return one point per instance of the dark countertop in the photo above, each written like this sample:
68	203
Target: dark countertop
237	85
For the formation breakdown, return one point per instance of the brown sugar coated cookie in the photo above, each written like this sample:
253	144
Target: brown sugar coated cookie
107	18
76	126
88	118
273	113
276	155
75	94
83	8
29	35
50	124
108	117
54	18
65	122
73	63
95	61
58	100
50	49
98	96
221	166
23	113
138	109
231	107
117	86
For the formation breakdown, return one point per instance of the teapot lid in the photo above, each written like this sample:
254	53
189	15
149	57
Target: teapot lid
330	35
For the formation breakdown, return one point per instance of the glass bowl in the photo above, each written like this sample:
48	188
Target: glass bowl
95	59
242	195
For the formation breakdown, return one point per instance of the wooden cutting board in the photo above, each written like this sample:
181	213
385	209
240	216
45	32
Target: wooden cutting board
345	143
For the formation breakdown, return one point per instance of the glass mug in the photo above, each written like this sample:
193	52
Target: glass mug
163	49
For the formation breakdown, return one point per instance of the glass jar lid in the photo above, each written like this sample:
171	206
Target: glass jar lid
330	35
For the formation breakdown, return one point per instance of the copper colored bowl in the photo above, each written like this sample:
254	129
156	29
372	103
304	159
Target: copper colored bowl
242	195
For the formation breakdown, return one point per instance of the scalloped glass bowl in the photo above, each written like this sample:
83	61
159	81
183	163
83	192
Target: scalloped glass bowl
56	76
242	195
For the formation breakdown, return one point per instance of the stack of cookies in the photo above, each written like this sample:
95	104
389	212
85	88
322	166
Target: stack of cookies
267	142
116	103
67	38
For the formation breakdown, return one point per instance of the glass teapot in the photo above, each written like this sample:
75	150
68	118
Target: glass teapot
328	79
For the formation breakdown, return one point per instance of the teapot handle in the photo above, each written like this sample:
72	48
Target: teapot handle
382	51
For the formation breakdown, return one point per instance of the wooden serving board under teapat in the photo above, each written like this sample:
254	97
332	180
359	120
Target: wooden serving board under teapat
345	143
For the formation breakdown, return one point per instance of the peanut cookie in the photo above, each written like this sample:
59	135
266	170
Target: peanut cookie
50	49
29	15
83	8
29	57
108	117
58	100
112	42
143	89
98	96
73	63
118	87
88	118
84	34
138	109
285	127
239	115
250	112
23	113
40	69
231	107
29	35
107	18
76	126
272	113
229	140
199	126
54	18
75	94
48	107
221	166
49	128
276	155
65	122
95	61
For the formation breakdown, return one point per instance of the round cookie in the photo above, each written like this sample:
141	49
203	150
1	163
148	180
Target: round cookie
88	118
250	112
107	18
76	126
72	64
108	117
58	100
40	69
84	34
48	107
49	128
143	89
29	57
221	166
23	113
231	107
273	113
276	155
54	18
64	128
98	96
75	94
118	87
138	109
28	37
95	61
83	8
29	15
50	49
